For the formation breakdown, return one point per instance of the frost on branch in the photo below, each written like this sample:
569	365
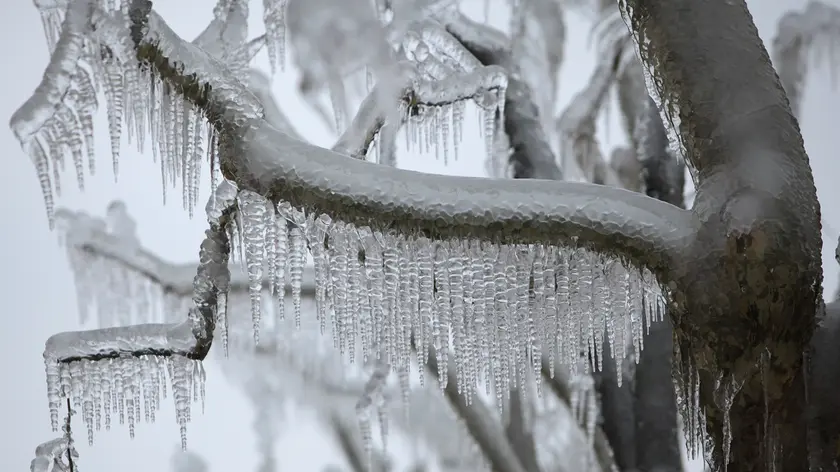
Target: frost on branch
124	370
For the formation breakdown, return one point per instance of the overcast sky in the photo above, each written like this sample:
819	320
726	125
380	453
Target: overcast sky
37	288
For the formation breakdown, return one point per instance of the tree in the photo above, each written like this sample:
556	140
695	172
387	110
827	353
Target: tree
738	274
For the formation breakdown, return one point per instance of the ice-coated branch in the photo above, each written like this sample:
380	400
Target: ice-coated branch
191	338
37	117
576	126
91	236
27	120
532	156
558	383
518	431
50	457
133	276
132	360
612	221
608	220
161	340
416	93
348	441
356	140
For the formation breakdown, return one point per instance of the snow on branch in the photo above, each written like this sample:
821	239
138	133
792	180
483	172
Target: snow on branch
120	366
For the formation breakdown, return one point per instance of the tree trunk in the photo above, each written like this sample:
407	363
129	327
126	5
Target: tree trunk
747	291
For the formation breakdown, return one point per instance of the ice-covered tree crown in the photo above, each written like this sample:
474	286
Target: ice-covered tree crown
499	274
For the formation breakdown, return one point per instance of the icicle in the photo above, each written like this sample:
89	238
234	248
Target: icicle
726	387
442	313
274	18
130	385
252	209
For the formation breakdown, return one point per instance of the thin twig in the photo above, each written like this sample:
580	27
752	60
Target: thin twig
69	436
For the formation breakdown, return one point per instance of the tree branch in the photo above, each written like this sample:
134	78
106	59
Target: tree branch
415	92
532	156
608	220
85	234
797	35
191	338
27	120
354	452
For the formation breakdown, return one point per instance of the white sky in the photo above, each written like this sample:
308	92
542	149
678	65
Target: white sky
37	288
